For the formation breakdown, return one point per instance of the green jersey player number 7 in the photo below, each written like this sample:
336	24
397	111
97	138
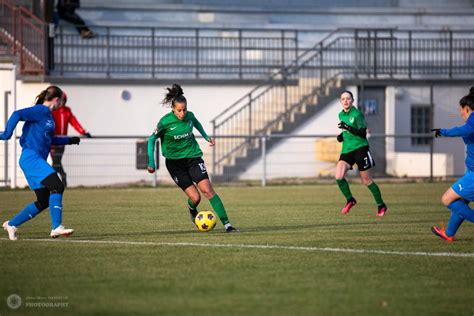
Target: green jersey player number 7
355	151
184	156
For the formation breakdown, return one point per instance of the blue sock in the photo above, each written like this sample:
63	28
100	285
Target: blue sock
56	209
463	210
25	215
458	209
454	223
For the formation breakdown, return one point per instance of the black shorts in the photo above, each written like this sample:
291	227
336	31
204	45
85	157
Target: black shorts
361	156
186	171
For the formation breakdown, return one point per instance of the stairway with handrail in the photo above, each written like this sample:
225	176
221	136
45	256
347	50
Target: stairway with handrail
299	90
24	36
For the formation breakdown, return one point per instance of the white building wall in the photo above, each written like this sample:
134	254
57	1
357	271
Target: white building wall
103	112
446	105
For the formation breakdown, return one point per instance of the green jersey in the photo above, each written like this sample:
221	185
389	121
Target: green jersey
356	119
177	138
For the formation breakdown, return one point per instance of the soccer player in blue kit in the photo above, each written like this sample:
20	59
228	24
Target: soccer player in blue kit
461	193
36	140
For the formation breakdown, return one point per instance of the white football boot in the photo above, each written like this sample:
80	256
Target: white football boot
61	231
11	231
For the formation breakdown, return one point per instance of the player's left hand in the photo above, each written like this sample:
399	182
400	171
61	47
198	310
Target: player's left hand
212	142
74	140
437	132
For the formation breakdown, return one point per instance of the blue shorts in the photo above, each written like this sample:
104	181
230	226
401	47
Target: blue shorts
35	168
464	187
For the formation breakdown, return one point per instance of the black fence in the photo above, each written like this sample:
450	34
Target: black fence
122	160
177	53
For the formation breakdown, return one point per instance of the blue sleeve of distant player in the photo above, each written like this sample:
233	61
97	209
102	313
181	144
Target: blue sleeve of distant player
464	130
28	114
10	127
60	140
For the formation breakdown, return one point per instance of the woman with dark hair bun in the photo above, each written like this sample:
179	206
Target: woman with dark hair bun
36	140
184	156
461	193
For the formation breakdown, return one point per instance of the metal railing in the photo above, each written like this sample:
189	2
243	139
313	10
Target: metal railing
24	35
315	157
160	52
112	160
342	54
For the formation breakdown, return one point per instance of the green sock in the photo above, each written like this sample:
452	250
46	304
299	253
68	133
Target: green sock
374	188
344	187
191	204
218	207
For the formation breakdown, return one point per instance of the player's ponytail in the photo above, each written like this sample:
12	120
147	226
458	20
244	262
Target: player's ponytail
48	94
174	94
468	100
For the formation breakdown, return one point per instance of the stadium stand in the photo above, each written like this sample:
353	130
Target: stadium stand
242	40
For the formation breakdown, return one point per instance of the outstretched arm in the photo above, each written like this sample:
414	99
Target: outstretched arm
151	152
64	140
158	132
10	127
77	126
60	140
458	131
199	127
27	114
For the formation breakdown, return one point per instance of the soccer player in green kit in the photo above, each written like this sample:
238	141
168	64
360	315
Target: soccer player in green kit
355	150
184	156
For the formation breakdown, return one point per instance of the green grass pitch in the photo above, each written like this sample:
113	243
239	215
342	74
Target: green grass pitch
141	255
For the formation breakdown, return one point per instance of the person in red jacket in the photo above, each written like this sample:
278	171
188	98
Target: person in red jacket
62	118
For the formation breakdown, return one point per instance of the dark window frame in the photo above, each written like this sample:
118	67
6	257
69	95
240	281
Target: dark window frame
420	123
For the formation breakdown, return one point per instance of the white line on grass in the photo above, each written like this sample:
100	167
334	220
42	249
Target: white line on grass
250	246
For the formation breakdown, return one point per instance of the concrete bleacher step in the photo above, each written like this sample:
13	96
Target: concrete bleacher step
244	158
276	5
126	4
284	14
270	118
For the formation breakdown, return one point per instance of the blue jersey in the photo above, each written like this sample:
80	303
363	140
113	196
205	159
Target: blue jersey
465	131
38	129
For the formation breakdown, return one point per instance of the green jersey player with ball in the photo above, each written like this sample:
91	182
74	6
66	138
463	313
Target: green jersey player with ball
184	156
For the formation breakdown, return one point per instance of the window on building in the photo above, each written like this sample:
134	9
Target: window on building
421	124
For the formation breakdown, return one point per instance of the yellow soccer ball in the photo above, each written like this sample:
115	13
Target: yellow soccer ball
205	221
